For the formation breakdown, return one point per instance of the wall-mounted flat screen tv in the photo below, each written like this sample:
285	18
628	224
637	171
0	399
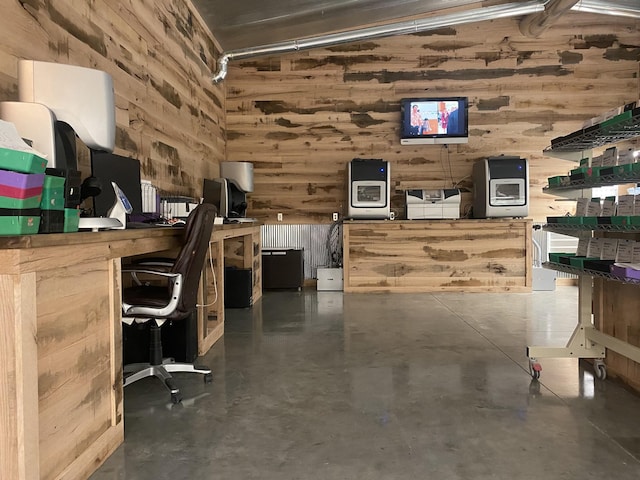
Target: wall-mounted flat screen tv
436	120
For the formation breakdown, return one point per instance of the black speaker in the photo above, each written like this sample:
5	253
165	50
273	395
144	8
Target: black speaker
179	340
238	287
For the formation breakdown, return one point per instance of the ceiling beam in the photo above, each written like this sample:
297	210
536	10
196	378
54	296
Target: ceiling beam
533	25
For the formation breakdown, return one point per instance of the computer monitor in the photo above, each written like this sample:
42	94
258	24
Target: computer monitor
212	193
125	172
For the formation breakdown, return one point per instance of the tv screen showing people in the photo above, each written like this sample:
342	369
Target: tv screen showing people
438	118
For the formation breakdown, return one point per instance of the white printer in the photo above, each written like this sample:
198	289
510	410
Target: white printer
432	204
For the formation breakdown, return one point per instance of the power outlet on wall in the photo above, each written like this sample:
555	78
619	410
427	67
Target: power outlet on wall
334	217
279	216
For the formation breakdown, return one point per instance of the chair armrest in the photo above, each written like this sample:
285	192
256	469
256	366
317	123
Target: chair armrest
163	261
133	310
152	269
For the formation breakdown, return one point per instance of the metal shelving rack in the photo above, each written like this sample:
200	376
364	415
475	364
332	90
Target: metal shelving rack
574	230
592	273
621	127
586	341
601	181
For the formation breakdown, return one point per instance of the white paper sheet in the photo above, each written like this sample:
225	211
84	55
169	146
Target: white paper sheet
11	140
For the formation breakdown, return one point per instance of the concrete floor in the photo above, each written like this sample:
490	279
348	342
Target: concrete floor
321	385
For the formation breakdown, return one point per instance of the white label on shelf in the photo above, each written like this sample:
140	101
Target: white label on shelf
594	209
636	252
610	157
609	249
583	247
595	247
625	251
626	205
625	157
609	207
581	207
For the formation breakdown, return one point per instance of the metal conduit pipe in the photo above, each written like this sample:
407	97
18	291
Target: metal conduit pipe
622	8
398	28
619	9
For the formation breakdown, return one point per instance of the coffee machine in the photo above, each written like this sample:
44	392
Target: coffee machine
235	182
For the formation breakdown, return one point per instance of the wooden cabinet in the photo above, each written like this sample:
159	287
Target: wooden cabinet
492	255
61	387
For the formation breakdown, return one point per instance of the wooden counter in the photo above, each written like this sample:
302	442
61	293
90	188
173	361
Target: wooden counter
492	255
231	246
61	394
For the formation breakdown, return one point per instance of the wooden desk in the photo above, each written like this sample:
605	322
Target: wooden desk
492	255
61	394
231	246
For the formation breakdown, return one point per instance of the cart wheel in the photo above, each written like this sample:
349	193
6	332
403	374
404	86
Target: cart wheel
600	370
176	398
535	369
208	378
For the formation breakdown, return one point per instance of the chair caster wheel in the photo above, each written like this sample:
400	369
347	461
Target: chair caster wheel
600	370
176	398
208	378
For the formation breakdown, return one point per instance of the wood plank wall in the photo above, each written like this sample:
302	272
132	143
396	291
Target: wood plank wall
438	255
300	118
160	55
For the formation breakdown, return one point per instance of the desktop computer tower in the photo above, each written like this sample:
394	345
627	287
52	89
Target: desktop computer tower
238	287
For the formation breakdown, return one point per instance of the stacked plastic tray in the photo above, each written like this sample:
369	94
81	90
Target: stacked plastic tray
21	181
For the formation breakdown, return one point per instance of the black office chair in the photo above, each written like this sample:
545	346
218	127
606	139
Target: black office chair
174	301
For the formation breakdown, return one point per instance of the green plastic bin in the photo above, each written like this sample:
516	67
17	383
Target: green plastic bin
23	162
19	225
71	219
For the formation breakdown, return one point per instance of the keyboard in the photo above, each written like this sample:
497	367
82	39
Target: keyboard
141	225
240	220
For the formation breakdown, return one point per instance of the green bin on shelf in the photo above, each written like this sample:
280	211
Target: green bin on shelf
578	262
556	257
617	119
558	181
625	220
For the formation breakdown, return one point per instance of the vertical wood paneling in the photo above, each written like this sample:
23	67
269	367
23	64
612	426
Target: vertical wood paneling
74	362
301	117
160	56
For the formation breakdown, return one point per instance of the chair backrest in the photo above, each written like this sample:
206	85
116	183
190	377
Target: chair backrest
190	260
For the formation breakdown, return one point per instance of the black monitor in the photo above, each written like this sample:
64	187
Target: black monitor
212	193
125	172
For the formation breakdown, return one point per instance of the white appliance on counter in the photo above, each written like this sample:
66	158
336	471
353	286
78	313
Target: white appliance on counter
369	189
432	204
501	187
